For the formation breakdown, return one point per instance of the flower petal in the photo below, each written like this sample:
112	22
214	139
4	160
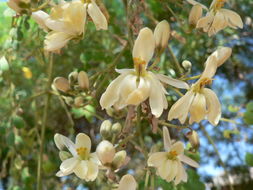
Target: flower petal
173	171
61	141
195	3
156	159
222	54
188	161
205	22
166	139
165	169
195	14
54	41
162	34
92	171
67	166
198	108
127	182
213	106
40	17
111	95
125	71
219	23
234	20
178	147
210	67
144	45
97	16
156	98
181	108
180	175
173	82
81	169
83	140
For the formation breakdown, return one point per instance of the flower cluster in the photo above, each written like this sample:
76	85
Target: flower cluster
216	19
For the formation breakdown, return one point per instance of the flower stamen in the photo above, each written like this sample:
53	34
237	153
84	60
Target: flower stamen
140	66
82	153
172	155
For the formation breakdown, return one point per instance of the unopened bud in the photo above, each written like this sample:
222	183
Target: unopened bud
78	101
83	80
195	14
64	155
116	128
69	100
187	65
61	84
73	77
105	152
193	138
162	34
105	129
119	159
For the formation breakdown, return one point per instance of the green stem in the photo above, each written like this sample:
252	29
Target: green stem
44	120
192	78
218	154
173	126
179	68
146	179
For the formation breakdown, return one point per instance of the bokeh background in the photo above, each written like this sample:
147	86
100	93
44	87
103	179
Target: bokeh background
23	81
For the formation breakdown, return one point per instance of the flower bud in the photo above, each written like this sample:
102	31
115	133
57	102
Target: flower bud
116	128
78	101
73	77
162	34
195	14
64	155
193	138
19	5
187	65
105	129
119	159
83	80
61	84
105	152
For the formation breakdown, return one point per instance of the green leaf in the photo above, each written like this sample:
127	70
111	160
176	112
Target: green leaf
249	159
4	65
88	111
248	115
11	139
18	121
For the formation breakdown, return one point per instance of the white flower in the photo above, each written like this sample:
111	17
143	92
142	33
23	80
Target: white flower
83	163
162	34
168	163
109	158
199	101
134	86
217	18
127	182
195	14
67	21
16	5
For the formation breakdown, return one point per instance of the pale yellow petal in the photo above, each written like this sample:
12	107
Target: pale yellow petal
157	159
219	23
198	108
105	152
162	34
97	16
213	106
195	14
173	171
81	169
188	161
40	17
83	140
61	141
127	182
178	147
195	3
67	166
165	168
173	82
92	171
234	20
144	45
166	139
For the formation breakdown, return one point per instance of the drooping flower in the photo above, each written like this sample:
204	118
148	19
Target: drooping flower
217	18
169	163
127	182
81	162
199	101
134	86
162	34
67	21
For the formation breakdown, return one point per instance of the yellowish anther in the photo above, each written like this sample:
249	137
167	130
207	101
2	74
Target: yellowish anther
140	66
201	84
82	153
172	155
219	4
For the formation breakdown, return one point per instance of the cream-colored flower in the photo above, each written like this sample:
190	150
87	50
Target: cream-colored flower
83	163
18	5
67	21
109	158
162	34
217	18
169	163
127	182
134	86
199	101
